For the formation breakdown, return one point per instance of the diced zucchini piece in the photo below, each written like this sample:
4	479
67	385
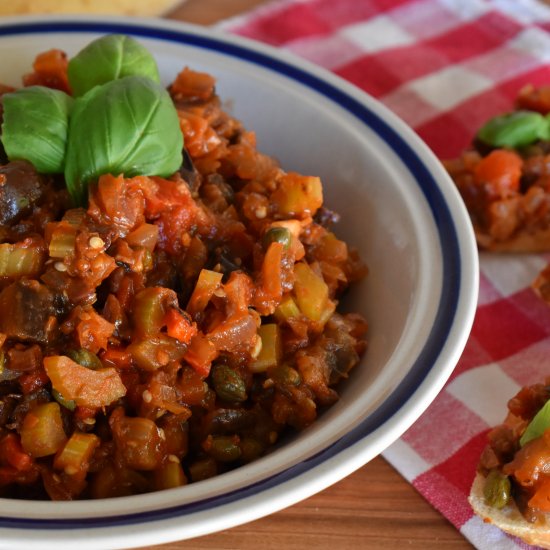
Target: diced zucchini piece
42	431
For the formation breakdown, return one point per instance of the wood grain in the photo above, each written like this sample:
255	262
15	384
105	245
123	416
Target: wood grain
372	508
206	12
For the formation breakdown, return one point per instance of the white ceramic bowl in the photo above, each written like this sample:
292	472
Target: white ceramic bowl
398	207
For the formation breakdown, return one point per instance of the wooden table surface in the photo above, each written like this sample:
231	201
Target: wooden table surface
372	508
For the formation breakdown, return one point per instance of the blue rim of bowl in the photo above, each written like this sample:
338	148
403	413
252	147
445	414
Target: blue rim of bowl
450	250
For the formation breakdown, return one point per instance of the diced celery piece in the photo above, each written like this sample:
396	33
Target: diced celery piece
310	290
270	353
19	261
287	309
150	306
63	240
76	453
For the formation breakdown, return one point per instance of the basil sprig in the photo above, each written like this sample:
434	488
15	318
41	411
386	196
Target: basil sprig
110	58
126	124
516	129
538	425
35	127
137	133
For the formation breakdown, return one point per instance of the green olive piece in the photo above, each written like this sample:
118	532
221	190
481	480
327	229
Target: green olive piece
277	235
497	489
228	385
85	358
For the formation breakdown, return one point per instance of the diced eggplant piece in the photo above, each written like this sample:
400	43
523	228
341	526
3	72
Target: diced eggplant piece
26	307
229	421
189	173
21	187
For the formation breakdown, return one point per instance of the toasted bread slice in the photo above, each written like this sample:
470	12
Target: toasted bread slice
118	7
509	518
533	241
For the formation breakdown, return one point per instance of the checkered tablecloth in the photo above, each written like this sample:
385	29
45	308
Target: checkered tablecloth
444	66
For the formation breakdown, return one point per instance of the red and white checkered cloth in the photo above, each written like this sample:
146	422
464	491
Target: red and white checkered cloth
445	67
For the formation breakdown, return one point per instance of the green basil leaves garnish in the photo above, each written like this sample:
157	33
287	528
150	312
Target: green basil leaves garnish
516	129
109	58
538	425
121	122
35	127
136	133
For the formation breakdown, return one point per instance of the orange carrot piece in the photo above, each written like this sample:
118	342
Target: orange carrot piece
50	69
192	84
178	326
501	171
200	354
271	271
12	453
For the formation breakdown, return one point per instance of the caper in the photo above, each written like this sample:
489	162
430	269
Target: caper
67	403
85	358
223	448
276	235
228	385
283	374
497	489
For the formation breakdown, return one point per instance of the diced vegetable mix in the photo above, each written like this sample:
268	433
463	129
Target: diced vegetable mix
504	181
503	176
165	325
515	460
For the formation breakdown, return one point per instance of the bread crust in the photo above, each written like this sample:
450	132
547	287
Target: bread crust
522	241
509	518
121	7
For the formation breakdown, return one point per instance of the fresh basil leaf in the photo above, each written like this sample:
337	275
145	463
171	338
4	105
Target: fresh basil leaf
127	126
515	129
35	125
109	58
537	426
